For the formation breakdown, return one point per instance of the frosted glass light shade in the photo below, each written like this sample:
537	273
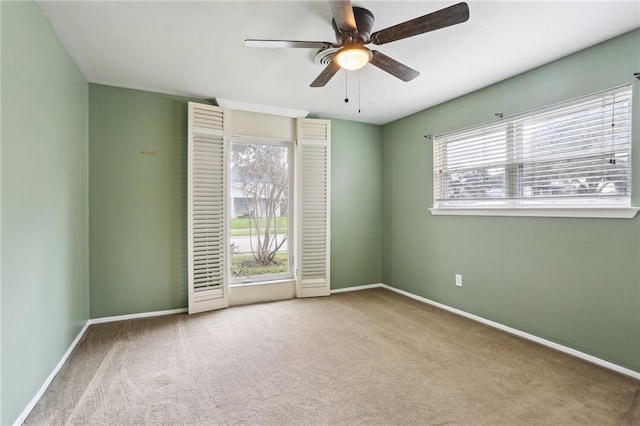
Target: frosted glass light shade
353	57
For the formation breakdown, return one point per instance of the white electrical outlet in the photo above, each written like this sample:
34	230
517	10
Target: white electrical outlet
458	280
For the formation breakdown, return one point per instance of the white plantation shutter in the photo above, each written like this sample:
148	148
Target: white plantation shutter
314	143
207	189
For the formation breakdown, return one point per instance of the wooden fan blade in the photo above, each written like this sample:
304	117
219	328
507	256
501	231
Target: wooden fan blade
326	74
392	66
451	15
343	15
288	43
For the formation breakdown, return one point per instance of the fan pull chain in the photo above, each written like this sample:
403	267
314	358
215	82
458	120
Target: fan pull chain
359	96
346	80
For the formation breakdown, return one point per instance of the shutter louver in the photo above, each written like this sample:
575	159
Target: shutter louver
207	208
314	207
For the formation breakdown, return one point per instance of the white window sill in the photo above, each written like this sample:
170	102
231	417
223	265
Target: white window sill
583	212
261	282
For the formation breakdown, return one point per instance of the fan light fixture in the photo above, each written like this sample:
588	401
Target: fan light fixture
353	57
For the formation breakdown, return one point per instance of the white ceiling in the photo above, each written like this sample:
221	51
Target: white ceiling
197	49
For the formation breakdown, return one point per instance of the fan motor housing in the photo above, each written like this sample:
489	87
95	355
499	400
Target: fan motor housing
364	24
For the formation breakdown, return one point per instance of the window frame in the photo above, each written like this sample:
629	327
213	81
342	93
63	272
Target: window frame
521	206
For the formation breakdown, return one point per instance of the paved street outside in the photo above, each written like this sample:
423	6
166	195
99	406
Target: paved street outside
244	243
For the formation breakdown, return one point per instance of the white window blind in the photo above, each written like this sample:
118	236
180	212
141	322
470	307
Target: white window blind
573	154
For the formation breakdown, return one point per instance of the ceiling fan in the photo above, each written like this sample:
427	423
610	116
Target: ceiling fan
353	25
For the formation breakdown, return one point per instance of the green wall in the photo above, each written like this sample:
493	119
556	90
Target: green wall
572	281
45	276
138	220
138	202
356	204
1	215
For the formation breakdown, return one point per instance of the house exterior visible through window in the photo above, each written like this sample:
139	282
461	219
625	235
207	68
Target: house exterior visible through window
573	154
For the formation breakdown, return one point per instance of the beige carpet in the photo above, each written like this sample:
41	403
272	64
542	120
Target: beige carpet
367	357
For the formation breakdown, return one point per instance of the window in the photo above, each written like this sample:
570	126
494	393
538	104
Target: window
571	155
259	178
245	186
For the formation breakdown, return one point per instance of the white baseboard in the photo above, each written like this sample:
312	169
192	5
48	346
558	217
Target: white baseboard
356	288
25	413
590	358
136	316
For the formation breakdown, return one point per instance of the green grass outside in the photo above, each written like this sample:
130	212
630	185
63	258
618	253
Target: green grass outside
238	223
243	265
